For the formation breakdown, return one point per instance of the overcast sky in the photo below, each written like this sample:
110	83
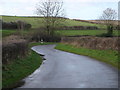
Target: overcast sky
74	9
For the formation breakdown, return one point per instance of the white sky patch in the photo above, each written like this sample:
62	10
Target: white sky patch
19	1
91	0
80	9
1	11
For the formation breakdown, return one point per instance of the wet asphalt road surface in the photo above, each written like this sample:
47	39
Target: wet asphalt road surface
66	70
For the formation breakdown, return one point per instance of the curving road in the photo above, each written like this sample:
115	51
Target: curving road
66	70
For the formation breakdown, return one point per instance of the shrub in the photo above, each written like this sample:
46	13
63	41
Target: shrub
28	26
42	35
105	35
14	25
80	28
14	49
117	27
91	42
9	25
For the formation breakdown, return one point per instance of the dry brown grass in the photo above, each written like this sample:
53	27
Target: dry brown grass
92	42
13	47
13	39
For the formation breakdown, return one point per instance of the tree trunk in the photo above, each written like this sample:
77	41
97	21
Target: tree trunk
110	29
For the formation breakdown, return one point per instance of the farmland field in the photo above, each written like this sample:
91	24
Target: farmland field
11	32
37	21
7	32
65	32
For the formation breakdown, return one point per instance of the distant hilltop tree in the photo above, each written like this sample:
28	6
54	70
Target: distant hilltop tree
108	17
52	12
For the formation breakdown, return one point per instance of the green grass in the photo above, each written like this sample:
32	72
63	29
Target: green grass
78	23
11	32
108	56
20	68
37	22
84	32
7	32
62	32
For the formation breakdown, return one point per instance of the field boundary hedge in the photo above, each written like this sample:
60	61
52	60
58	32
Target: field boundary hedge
92	42
80	28
13	47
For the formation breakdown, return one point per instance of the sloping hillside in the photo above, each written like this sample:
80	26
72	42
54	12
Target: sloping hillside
37	21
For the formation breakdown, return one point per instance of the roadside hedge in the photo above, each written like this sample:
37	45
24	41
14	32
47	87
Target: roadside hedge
42	35
14	50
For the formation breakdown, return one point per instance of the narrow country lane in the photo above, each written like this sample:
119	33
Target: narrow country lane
66	70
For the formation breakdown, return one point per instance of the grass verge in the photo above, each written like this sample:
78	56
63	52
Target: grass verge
20	68
107	56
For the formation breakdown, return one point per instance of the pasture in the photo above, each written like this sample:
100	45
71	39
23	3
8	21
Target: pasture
63	32
38	21
7	32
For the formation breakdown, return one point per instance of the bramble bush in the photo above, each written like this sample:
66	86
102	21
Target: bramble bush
13	49
43	35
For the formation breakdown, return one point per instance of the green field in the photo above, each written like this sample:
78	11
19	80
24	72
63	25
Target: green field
63	32
108	56
11	32
84	32
7	32
37	22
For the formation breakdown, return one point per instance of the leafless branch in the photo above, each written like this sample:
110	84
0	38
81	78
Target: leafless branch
52	11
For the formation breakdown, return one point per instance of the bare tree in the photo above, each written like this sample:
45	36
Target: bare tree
52	11
108	18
